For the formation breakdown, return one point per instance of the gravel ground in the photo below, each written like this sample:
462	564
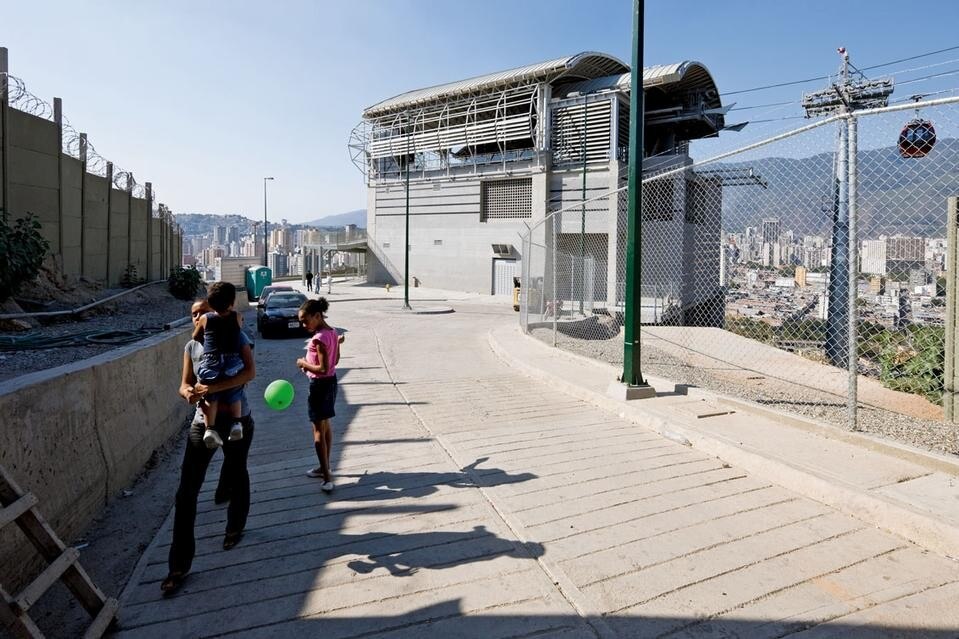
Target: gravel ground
145	310
778	394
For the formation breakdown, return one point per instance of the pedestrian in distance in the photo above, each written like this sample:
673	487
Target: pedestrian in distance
234	477
319	365
309	281
220	331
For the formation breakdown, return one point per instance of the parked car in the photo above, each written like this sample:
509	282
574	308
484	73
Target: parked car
272	288
279	314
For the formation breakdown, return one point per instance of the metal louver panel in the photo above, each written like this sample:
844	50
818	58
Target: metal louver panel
499	118
571	136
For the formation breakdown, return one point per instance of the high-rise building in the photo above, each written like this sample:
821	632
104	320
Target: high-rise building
904	254
281	237
873	257
771	230
279	263
905	248
800	276
232	234
219	235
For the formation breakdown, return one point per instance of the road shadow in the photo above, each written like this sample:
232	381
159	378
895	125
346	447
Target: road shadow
379	485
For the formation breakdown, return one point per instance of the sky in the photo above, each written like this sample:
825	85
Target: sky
205	98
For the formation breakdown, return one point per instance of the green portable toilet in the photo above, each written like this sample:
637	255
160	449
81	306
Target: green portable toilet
257	277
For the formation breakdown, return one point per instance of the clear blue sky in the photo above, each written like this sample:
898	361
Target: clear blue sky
206	98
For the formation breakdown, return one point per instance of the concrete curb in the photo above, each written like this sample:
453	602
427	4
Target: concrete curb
892	515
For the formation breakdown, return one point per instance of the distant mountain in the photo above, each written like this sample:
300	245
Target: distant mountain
896	195
357	217
202	223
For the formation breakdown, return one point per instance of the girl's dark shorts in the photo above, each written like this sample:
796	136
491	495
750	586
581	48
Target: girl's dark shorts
322	398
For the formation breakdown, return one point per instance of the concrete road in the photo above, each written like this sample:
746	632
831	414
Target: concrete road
472	501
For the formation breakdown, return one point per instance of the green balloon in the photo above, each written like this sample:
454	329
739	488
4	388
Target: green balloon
279	394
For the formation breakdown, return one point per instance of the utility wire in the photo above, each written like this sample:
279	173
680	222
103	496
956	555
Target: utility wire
826	77
760	106
915	57
929	77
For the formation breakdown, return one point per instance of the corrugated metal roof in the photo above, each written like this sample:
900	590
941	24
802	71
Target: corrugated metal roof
690	74
586	65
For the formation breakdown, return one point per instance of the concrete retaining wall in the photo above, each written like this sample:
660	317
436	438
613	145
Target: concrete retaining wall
77	434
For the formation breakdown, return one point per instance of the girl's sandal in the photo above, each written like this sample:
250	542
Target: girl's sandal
172	583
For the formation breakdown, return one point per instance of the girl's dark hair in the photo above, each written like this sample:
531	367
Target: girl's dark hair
312	307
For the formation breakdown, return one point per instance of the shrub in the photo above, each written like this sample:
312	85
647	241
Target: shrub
130	277
22	249
184	283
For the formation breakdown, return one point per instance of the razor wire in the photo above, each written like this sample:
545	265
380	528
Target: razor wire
746	286
21	99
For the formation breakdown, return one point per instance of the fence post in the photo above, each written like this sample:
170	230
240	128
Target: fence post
949	375
58	120
109	216
853	314
524	281
4	132
149	249
553	297
83	204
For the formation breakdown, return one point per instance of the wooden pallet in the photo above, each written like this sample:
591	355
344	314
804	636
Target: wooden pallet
19	507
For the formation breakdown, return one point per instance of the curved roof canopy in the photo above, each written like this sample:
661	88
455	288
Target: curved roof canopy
688	76
582	66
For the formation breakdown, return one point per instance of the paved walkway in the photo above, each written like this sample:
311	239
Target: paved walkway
473	501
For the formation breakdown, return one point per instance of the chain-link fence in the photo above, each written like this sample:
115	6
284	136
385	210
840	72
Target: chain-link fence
746	281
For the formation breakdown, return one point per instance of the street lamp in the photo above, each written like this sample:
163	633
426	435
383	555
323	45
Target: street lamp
266	224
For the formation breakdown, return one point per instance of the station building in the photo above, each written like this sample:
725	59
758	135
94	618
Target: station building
485	159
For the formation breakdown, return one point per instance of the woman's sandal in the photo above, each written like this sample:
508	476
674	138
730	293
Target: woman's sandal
231	539
172	583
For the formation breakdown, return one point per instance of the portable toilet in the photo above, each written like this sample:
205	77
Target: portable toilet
257	277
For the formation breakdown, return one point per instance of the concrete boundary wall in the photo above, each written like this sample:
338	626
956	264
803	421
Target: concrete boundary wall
77	434
72	206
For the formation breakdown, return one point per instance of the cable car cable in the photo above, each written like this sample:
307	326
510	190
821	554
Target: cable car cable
826	77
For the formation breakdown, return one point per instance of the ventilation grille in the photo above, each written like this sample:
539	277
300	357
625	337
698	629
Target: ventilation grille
506	200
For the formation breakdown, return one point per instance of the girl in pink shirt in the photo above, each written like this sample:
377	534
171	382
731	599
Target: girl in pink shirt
322	355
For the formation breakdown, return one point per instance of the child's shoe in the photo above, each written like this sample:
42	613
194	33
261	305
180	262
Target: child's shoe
212	439
236	431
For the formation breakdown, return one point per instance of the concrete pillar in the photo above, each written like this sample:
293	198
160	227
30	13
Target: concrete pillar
4	137
149	228
58	120
109	216
83	204
129	220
